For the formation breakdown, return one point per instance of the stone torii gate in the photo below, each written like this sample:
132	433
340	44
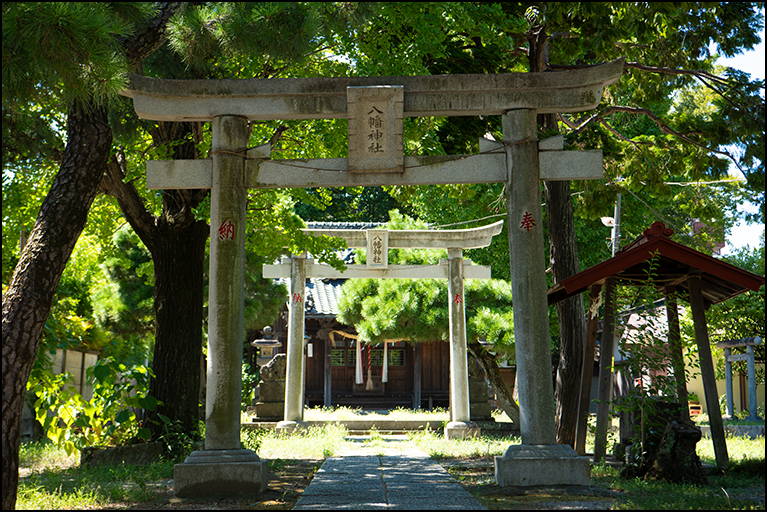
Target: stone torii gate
374	107
378	242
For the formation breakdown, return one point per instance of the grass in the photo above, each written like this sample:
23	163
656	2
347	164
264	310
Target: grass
739	489
350	414
440	448
45	455
702	419
314	443
55	482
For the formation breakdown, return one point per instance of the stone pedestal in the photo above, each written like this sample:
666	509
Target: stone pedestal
479	406
224	473
271	397
461	430
541	465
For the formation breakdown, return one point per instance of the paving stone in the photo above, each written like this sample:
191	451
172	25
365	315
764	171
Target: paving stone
403	478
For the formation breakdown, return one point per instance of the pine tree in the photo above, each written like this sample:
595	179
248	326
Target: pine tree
82	50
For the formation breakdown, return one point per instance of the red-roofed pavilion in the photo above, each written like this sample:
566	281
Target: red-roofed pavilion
680	272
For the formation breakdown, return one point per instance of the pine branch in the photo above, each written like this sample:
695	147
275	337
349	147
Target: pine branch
599	117
142	222
152	35
721	86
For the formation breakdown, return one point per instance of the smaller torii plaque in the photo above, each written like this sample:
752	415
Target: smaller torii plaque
377	248
375	128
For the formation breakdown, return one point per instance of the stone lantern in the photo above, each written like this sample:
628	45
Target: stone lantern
267	346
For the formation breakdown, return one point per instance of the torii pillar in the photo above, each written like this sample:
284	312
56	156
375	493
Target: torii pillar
294	370
460	425
223	467
539	460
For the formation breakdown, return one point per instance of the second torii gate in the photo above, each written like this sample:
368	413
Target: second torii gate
375	107
378	242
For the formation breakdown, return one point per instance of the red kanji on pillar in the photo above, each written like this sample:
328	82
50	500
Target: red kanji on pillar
458	299
226	231
296	297
528	221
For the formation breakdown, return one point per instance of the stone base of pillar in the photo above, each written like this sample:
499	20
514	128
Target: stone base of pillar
286	427
541	465
212	473
461	430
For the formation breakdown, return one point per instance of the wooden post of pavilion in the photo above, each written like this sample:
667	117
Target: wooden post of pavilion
707	371
675	348
605	372
595	299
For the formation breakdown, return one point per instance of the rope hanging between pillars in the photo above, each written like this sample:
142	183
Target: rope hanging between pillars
358	349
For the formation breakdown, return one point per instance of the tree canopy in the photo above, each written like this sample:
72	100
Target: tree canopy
669	130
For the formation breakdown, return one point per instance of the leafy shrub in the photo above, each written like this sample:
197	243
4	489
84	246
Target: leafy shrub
109	418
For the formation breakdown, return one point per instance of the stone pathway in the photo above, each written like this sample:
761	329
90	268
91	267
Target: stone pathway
392	475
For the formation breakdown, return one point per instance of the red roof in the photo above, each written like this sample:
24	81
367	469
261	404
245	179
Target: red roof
719	280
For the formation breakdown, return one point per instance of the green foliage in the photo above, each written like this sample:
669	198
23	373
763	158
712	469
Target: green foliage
351	204
252	438
124	298
250	378
177	441
71	49
24	186
108	418
417	309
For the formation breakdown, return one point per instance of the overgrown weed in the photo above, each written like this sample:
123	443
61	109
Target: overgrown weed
342	413
440	448
312	443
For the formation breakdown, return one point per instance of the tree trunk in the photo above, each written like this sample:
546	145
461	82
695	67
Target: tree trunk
30	293
177	243
179	261
570	312
502	391
564	263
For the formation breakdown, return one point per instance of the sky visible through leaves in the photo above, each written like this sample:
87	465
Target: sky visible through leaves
744	234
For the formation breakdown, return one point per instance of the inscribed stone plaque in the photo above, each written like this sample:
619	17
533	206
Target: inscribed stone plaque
375	128
378	248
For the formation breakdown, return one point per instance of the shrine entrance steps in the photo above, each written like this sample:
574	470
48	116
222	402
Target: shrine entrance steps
395	476
365	402
378	402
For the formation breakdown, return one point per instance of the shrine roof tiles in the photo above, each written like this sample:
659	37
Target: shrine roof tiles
322	296
344	225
